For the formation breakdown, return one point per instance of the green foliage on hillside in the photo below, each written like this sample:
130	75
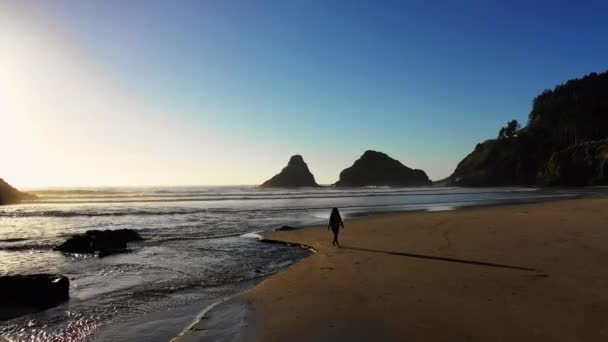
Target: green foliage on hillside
573	112
561	145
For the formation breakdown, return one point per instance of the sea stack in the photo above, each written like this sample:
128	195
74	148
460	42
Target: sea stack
294	175
10	195
378	169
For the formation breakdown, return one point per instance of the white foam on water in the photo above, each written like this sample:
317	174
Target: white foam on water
198	318
252	235
441	208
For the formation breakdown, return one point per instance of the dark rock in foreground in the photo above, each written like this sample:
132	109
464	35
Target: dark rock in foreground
378	169
23	294
10	195
100	242
294	175
285	228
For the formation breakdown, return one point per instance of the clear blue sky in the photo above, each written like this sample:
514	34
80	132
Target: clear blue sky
423	81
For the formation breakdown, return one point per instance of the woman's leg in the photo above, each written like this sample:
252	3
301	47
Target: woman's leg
335	242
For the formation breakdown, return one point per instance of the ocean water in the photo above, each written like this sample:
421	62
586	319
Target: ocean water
200	247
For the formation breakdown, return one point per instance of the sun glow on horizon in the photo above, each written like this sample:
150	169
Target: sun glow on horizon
103	93
67	123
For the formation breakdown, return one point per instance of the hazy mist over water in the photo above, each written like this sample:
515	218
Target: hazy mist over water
197	247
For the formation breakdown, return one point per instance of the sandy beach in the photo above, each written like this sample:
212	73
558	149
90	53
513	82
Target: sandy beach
534	272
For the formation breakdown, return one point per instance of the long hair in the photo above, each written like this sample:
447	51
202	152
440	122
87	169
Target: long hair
335	218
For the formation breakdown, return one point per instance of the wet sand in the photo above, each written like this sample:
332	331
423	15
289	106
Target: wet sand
534	272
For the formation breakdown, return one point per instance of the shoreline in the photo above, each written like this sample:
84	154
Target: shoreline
255	302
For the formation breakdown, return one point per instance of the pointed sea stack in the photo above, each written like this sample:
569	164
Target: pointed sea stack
10	195
378	169
294	175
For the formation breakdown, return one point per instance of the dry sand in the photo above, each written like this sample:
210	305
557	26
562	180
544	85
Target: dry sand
433	276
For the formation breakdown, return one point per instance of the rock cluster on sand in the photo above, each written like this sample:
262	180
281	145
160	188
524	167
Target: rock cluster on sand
23	294
10	195
100	242
378	169
564	143
294	175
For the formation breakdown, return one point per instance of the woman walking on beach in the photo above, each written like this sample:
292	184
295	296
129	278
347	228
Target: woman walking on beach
335	221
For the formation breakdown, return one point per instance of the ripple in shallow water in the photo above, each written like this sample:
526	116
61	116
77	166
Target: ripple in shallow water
73	327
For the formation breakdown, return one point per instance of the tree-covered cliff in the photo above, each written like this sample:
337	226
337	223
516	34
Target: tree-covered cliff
562	143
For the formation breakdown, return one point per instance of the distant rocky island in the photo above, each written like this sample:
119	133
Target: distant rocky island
565	142
371	169
295	175
10	195
378	169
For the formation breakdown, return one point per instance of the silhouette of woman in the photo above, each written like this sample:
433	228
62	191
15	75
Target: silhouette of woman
335	221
